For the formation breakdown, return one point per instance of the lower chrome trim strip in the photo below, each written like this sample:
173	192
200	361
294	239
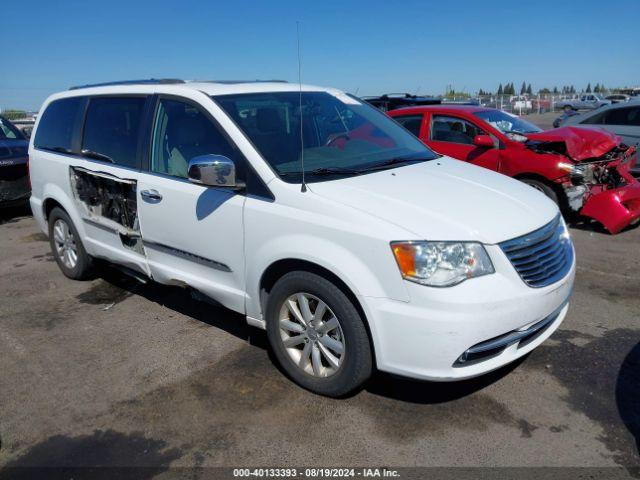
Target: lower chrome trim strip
498	344
186	255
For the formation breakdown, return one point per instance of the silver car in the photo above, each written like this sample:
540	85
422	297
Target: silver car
623	119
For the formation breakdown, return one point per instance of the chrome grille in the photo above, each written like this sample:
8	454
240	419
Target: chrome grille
543	256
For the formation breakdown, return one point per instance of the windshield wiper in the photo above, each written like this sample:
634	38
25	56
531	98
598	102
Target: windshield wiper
391	163
332	171
324	171
97	156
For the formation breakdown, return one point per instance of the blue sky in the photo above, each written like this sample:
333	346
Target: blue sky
370	47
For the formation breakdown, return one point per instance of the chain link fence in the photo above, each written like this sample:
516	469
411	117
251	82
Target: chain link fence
521	104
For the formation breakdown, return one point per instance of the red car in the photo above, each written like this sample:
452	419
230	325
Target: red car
585	170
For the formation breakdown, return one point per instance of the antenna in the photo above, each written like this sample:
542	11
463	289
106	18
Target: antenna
303	187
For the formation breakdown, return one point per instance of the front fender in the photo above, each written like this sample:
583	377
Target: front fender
379	278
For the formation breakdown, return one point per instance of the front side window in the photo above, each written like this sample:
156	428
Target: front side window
182	132
335	135
112	129
453	130
411	123
596	119
57	124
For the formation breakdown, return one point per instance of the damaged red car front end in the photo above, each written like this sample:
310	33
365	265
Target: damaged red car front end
596	181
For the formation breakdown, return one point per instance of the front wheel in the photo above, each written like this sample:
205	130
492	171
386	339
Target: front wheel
317	335
542	187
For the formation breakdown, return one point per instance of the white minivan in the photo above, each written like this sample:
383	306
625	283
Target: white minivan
316	216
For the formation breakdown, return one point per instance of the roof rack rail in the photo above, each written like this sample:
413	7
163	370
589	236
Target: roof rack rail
150	81
231	82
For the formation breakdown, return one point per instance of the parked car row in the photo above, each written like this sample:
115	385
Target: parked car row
588	101
314	215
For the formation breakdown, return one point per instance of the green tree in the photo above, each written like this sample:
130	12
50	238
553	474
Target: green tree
523	88
588	90
13	114
500	91
529	89
555	89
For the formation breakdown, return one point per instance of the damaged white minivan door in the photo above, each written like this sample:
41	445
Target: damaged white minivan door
192	233
104	180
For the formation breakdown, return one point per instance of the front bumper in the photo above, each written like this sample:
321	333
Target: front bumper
14	184
616	209
426	337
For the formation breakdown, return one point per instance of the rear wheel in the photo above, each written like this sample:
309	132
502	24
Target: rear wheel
317	335
67	247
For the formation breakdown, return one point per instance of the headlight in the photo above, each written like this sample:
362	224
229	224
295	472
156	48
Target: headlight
441	264
571	168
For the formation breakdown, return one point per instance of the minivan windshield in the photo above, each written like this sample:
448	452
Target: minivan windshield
341	136
507	124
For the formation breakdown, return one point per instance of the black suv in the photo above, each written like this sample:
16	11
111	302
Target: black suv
391	101
14	175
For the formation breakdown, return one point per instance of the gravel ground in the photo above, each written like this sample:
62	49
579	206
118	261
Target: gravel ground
114	372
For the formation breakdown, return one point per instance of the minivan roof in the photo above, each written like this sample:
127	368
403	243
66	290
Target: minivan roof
219	87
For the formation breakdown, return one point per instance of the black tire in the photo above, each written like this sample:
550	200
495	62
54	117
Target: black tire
83	268
542	187
357	361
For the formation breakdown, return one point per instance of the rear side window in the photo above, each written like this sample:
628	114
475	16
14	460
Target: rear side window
411	123
112	129
9	131
56	127
597	119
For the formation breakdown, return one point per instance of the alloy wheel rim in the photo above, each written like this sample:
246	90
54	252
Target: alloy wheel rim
311	334
65	243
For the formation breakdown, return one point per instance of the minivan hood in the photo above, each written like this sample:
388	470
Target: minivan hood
445	199
580	142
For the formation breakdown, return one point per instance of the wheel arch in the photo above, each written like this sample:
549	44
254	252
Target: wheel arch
54	196
555	186
48	205
279	268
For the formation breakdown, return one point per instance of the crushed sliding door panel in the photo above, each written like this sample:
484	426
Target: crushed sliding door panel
108	201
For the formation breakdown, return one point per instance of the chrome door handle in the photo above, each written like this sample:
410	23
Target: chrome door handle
151	195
